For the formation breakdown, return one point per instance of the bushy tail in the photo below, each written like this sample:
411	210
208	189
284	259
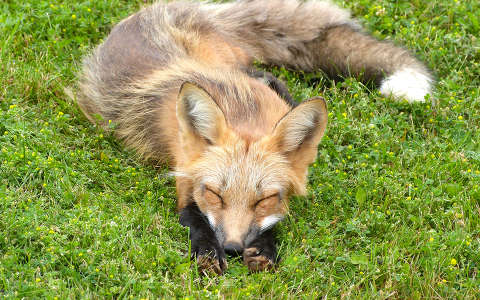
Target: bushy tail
316	35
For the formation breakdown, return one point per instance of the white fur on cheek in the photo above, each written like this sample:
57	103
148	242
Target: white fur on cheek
269	221
407	83
211	220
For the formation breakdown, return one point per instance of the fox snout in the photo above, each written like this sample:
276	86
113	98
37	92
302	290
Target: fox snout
235	242
236	231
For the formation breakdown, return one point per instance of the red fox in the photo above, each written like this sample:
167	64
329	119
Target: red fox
177	80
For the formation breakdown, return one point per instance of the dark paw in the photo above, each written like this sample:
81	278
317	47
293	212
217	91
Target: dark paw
205	247
210	258
208	264
256	260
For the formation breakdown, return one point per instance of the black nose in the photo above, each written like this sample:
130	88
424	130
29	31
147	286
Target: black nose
233	248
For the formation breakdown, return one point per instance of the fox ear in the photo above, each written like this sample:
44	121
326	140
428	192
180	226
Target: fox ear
198	114
298	133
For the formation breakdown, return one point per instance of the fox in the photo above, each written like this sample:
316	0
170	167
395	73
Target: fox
179	82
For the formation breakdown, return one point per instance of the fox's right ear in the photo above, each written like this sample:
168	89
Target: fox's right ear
198	115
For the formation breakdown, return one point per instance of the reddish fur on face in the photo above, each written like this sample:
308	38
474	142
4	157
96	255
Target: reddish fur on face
239	182
239	179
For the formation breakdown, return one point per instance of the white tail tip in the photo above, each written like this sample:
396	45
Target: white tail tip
407	83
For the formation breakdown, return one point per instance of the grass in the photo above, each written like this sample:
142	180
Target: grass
393	208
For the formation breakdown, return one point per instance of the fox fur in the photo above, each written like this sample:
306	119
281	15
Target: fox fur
176	80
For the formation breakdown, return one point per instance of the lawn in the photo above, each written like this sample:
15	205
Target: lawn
393	205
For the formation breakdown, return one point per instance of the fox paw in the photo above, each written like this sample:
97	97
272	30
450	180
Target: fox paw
256	260
210	256
211	264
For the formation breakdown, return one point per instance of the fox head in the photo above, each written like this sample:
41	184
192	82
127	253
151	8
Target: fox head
242	186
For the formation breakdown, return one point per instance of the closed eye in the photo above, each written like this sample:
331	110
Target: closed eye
266	198
215	194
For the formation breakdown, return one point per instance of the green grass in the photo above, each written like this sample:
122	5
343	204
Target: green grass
393	208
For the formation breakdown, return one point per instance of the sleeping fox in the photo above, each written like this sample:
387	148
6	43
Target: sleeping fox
177	80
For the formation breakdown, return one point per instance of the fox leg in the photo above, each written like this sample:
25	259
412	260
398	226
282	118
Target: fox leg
274	83
261	253
205	246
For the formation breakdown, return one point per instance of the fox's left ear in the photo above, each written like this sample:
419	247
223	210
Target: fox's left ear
299	132
199	117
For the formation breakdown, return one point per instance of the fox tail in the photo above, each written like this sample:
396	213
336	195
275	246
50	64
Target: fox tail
315	35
